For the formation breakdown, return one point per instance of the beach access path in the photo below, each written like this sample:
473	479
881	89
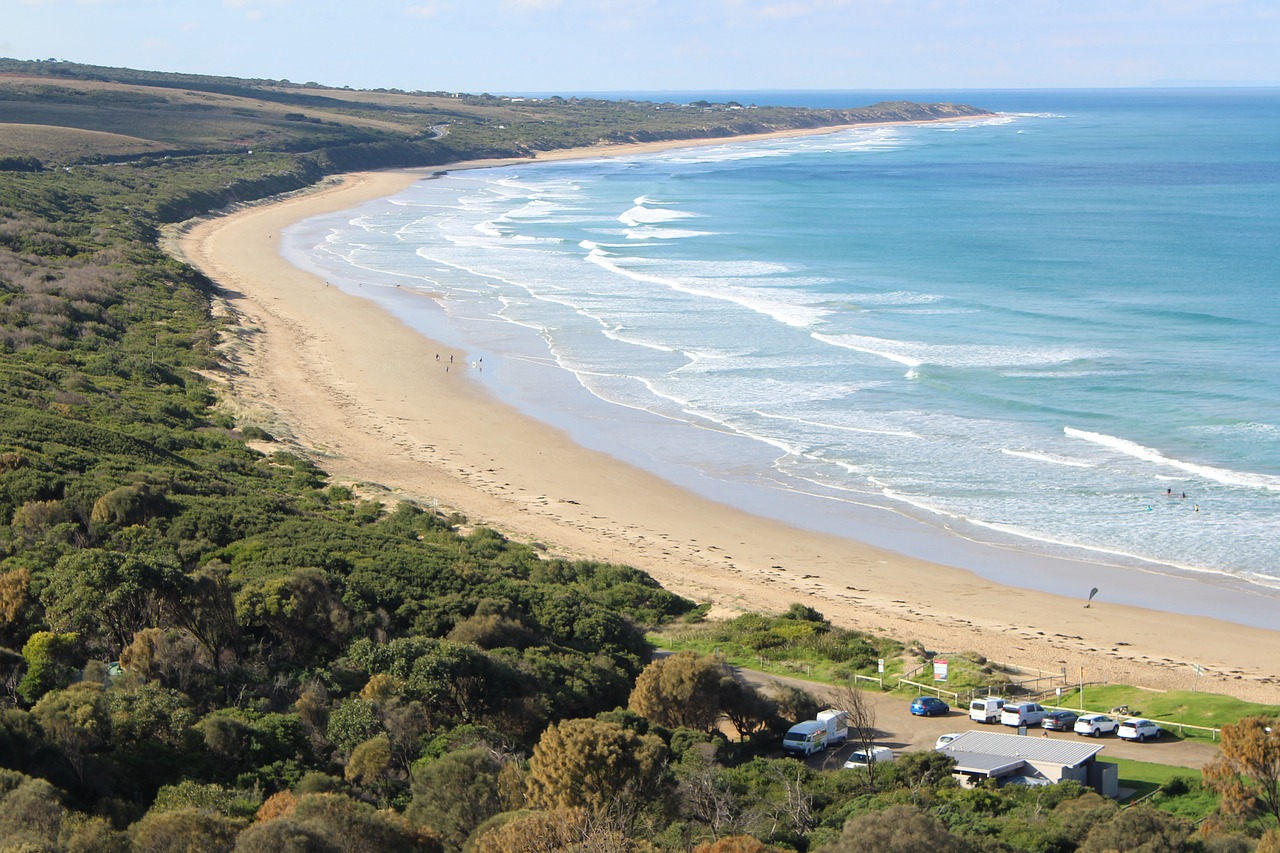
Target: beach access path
338	380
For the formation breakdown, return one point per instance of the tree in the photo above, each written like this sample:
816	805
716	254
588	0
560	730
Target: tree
92	590
77	719
187	830
370	766
297	616
31	814
794	704
682	690
284	835
354	827
1246	773
15	594
734	844
352	723
749	711
897	829
1269	842
705	793
456	793
172	657
50	661
208	611
862	724
556	831
1141	829
593	764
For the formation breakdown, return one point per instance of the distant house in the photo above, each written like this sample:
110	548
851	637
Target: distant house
993	755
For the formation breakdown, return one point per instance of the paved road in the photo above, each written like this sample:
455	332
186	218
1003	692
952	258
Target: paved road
902	731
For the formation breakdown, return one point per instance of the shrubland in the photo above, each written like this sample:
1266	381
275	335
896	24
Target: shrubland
205	646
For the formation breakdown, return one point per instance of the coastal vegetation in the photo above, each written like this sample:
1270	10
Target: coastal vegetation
208	646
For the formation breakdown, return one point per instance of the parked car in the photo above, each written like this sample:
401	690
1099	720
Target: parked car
860	758
1139	730
946	739
928	706
1023	714
1059	721
986	710
1095	725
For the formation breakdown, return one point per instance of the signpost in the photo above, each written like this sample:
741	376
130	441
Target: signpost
939	669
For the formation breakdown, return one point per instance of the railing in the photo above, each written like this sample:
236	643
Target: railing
1164	724
937	691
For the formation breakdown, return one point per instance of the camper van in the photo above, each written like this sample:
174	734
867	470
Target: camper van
837	723
806	738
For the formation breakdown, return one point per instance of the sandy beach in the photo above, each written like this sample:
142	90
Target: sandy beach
324	371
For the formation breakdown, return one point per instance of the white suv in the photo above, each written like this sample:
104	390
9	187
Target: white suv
1095	725
1139	730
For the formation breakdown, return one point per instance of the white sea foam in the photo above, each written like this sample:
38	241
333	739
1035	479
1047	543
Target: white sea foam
650	233
1220	475
897	297
839	427
1047	457
640	215
915	354
799	316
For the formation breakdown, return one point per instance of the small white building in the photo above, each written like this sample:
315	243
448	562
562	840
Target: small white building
983	755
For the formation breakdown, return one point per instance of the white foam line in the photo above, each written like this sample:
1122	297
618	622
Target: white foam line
1047	457
836	426
891	356
1148	454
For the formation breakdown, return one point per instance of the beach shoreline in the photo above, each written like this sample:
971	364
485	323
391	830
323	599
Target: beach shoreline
321	369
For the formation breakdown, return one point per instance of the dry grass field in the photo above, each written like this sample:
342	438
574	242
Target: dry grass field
49	143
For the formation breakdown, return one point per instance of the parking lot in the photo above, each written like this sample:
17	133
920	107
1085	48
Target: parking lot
898	729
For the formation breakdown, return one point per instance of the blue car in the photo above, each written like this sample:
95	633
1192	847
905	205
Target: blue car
927	706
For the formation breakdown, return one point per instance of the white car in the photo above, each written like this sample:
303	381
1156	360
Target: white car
1139	730
946	739
860	758
1095	725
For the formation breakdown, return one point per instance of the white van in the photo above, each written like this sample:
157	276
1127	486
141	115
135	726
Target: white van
1023	714
986	710
806	738
860	758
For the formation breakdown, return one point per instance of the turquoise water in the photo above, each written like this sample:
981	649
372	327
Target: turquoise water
1036	331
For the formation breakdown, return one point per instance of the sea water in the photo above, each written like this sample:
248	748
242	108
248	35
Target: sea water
1037	331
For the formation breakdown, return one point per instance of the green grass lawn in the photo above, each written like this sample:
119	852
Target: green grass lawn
1190	708
795	665
1181	792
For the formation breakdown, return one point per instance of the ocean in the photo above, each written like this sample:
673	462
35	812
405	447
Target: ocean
1049	334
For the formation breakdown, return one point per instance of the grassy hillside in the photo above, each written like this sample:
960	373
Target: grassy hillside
188	113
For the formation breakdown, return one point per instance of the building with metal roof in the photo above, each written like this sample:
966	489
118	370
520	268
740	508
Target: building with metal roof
983	755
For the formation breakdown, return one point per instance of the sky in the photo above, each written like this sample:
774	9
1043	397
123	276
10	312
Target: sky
577	46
